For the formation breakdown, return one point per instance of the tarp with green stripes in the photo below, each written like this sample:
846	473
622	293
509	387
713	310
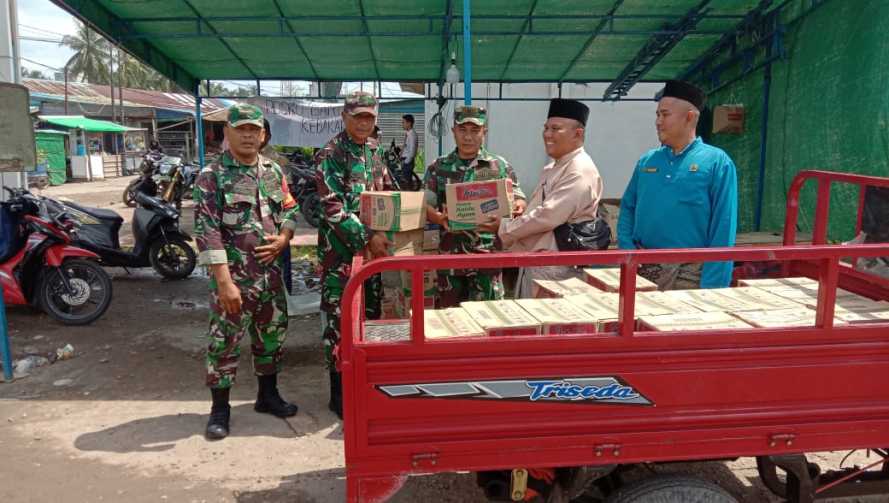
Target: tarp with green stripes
397	40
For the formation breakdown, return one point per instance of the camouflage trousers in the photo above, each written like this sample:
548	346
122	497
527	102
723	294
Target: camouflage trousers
673	276
333	282
454	289
263	318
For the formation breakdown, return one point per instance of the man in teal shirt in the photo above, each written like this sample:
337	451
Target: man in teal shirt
682	195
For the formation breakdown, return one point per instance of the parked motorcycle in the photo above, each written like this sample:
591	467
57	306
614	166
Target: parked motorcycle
175	180
146	183
40	266
160	243
392	158
304	188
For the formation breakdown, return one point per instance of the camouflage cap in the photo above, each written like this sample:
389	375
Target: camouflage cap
475	115
360	102
243	113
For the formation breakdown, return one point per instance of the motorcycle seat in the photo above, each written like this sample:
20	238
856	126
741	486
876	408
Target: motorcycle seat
97	213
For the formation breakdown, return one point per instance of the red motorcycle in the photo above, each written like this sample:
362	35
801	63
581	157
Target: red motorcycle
40	267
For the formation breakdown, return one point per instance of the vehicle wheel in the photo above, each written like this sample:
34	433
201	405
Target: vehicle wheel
775	479
174	259
671	489
311	209
129	196
88	299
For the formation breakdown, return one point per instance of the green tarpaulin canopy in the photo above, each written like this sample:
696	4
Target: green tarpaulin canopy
81	122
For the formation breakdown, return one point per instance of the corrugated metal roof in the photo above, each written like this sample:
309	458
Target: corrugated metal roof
101	94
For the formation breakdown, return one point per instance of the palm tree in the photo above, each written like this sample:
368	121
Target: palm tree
90	59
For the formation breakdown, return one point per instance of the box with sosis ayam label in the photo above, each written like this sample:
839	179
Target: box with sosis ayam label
472	203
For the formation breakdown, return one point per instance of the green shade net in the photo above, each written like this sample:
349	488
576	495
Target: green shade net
828	110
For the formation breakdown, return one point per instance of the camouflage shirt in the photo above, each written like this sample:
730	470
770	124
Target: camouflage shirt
345	169
235	205
452	169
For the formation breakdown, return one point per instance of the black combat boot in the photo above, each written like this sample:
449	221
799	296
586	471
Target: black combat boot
220	413
336	394
269	401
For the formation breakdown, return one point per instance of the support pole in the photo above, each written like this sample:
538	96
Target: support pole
764	136
467	54
5	351
199	124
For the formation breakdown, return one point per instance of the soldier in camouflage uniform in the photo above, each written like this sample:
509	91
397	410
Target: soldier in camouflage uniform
244	219
469	162
349	164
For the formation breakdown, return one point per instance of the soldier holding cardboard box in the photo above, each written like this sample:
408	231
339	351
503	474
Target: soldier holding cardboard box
351	163
469	162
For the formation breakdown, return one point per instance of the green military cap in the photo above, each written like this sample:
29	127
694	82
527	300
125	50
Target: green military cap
475	115
243	113
360	102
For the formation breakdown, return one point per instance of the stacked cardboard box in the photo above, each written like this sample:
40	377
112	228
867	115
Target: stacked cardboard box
608	279
561	316
450	323
782	318
665	301
879	315
600	306
553	289
779	282
692	321
645	305
757	297
502	317
393	211
472	203
708	301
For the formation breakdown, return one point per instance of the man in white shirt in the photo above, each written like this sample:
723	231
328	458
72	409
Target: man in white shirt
409	148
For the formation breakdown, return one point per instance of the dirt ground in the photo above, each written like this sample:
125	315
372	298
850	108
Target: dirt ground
123	420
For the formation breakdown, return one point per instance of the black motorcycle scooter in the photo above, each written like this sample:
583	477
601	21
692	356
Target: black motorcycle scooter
159	241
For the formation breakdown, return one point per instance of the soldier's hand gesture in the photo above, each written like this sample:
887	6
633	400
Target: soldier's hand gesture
267	253
230	297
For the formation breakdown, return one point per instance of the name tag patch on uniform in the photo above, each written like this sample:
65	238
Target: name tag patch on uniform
649	170
693	168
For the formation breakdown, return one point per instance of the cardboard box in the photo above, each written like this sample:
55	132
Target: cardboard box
431	241
552	289
502	317
708	301
404	244
781	318
807	295
608	279
664	301
450	323
728	119
472	203
393	211
644	305
757	298
561	316
878	315
692	321
602	306
779	282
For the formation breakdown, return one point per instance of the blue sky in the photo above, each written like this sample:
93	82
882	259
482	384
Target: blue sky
42	19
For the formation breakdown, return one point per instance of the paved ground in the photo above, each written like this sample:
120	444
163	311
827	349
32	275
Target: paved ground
122	421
